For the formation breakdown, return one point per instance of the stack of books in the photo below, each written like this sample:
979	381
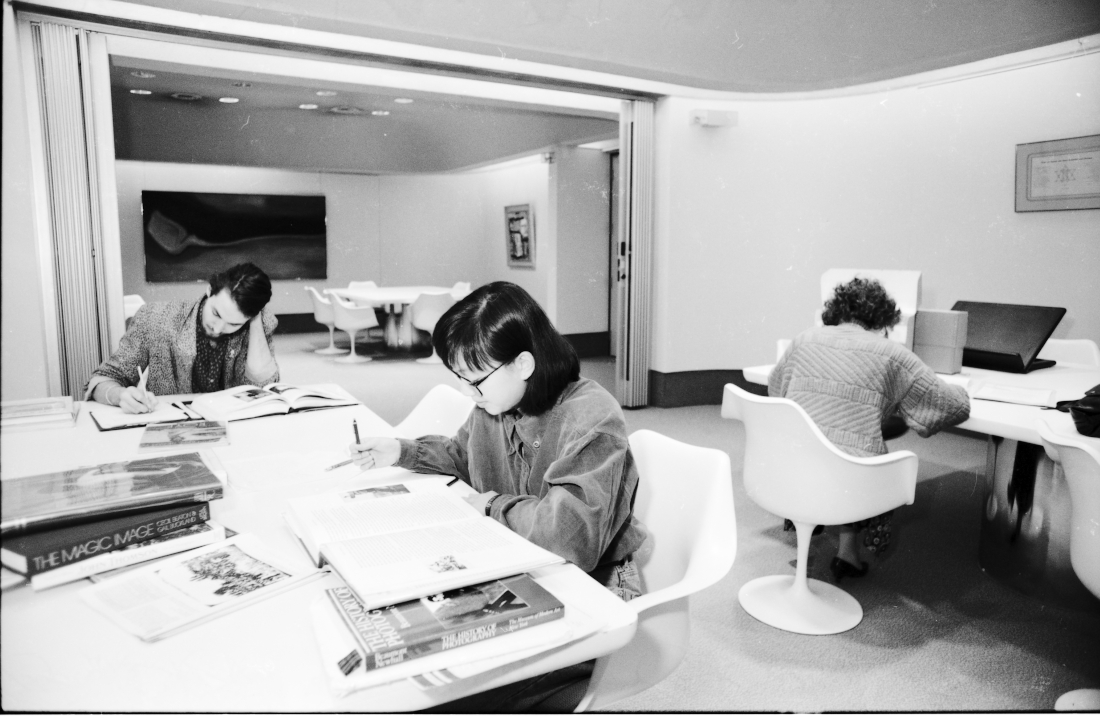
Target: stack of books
64	526
45	413
423	573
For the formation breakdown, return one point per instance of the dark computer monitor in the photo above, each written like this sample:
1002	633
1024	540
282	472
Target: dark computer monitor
1007	337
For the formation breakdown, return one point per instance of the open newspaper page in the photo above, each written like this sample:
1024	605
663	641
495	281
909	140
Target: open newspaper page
390	543
179	592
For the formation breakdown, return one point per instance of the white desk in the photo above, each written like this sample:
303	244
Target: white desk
1011	421
398	333
60	655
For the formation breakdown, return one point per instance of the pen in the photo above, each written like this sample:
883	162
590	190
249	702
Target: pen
355	426
338	464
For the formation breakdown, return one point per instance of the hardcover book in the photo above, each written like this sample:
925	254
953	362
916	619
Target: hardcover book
37	552
188	538
58	499
443	621
247	401
394	541
179	592
179	436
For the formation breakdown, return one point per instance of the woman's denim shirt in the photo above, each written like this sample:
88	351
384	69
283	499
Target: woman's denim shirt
566	478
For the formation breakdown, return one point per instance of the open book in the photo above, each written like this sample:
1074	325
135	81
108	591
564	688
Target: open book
395	542
188	589
247	401
108	418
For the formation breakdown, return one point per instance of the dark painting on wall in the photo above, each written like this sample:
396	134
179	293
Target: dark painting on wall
189	236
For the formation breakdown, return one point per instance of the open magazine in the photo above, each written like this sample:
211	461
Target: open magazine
180	592
394	542
247	401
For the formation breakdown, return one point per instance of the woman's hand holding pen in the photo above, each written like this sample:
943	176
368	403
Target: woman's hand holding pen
375	452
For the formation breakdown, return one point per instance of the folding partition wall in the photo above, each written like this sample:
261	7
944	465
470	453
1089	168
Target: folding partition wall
635	252
74	245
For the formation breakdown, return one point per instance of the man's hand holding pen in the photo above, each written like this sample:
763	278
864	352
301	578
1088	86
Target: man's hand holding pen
136	400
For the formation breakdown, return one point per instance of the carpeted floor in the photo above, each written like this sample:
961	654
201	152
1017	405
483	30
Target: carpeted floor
938	634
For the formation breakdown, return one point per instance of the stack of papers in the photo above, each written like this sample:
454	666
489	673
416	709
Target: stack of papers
1015	395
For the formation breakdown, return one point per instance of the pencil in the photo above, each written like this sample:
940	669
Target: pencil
338	464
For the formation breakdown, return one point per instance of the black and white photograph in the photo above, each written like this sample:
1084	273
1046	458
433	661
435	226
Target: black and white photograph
763	336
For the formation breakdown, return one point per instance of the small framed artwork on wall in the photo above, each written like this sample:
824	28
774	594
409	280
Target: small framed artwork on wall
1058	175
519	229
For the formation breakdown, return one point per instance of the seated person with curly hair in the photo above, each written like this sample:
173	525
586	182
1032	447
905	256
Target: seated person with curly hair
849	377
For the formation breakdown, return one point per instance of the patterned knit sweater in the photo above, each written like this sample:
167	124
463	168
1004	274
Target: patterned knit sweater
162	337
848	380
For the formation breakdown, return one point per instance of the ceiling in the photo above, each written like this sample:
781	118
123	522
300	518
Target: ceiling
758	46
352	129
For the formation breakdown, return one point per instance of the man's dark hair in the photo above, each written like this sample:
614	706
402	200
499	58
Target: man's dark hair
864	302
496	323
248	286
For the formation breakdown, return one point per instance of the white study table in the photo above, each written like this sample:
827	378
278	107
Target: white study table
1011	421
398	334
60	655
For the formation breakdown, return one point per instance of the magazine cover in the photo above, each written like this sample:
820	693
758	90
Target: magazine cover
59	498
192	434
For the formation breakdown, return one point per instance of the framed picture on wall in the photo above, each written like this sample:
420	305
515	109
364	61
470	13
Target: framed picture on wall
519	230
1058	175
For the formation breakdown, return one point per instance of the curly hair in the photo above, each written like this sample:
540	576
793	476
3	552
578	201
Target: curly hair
864	302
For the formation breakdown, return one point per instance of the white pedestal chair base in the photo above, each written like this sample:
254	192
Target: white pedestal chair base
820	609
352	359
331	349
1082	699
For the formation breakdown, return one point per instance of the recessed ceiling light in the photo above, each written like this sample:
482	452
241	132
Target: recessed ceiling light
139	91
186	96
143	74
379	112
346	110
402	100
308	106
228	100
326	93
242	84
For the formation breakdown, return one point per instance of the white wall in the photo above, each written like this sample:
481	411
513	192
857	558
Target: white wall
749	217
530	184
351	204
399	230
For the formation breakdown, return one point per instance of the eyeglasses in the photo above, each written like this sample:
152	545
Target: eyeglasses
477	385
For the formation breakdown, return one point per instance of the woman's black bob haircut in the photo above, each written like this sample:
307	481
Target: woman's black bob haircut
496	323
864	302
248	286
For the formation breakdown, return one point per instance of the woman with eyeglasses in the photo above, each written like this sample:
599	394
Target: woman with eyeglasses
545	449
